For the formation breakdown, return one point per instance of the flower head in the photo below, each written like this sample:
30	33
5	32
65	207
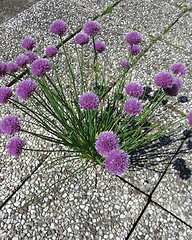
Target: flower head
22	61
133	38
178	68
164	79
190	117
40	66
117	162
28	43
3	68
106	141
31	56
58	27
82	38
11	67
91	28
10	125
99	46
134	49
134	89
1	131
178	82
14	146
5	94
51	51
172	91
133	106
125	64
25	89
89	101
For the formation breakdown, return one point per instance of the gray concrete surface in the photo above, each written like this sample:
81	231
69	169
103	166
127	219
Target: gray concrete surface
79	210
10	8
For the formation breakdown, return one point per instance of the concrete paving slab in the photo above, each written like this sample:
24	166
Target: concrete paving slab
78	210
181	33
156	224
117	202
10	9
180	3
175	192
146	16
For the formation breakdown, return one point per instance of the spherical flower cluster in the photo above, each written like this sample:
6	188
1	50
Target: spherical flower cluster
11	68
133	106
117	162
22	61
10	125
178	82
89	101
105	142
1	131
28	43
164	80
172	91
39	67
25	89
134	49
14	146
99	46
125	64
134	89
51	51
81	38
91	28
2	69
190	117
178	68
133	38
31	56
5	94
58	27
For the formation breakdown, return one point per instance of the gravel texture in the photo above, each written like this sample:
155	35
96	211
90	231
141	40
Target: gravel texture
102	207
175	190
158	224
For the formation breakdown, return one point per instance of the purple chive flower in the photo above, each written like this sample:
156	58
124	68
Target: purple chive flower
133	106
10	125
31	56
178	68
3	68
81	38
125	64
190	117
99	46
25	89
134	89
164	79
172	91
58	27
89	101
5	94
91	28
28	43
134	49
40	66
106	141
51	51
117	162
1	131
14	146
133	38
11	68
22	61
178	82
